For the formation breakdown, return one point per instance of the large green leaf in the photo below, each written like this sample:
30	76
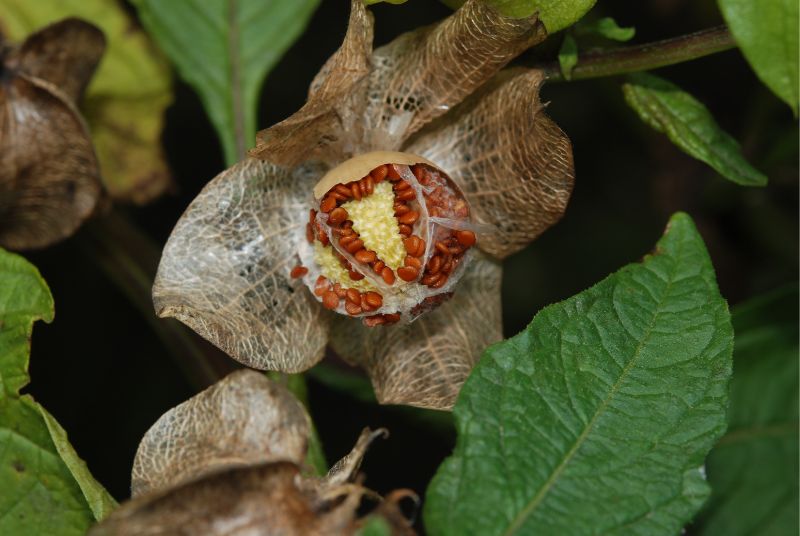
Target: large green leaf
125	102
753	469
766	31
596	418
224	49
555	14
46	488
689	125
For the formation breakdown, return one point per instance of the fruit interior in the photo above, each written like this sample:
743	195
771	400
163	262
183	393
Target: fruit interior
387	246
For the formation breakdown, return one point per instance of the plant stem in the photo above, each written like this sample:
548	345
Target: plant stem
600	63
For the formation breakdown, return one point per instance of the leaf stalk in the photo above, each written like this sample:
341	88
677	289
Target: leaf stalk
602	63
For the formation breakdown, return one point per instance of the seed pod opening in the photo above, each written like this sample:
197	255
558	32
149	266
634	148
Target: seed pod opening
388	237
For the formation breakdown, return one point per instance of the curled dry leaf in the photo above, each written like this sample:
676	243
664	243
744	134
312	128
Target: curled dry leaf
49	179
232	267
228	461
242	420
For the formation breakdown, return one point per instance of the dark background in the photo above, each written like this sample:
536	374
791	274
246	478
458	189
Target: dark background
106	376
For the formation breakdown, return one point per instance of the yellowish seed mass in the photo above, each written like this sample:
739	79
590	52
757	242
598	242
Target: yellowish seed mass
334	271
373	219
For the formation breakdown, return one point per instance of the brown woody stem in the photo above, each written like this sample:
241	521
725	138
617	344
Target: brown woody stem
601	63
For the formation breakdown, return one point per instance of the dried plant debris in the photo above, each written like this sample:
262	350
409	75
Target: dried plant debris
406	170
229	461
49	177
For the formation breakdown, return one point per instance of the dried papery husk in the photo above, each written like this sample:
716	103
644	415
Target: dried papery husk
241	420
409	293
49	177
225	270
228	461
364	101
314	131
425	363
513	163
258	500
403	97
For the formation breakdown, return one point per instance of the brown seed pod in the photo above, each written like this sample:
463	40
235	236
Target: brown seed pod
49	176
393	231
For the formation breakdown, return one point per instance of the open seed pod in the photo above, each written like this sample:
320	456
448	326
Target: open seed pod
49	177
230	461
389	244
389	198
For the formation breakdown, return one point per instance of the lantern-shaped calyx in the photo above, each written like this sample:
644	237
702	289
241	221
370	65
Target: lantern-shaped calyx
388	237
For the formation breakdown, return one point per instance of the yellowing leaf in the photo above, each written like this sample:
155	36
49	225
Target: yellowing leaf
124	105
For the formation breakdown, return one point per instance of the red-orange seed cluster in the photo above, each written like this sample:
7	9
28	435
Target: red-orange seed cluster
446	250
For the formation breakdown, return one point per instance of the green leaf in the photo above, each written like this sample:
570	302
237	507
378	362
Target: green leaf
568	56
689	125
375	526
224	50
555	15
125	102
396	2
605	27
753	469
597	417
296	383
766	31
46	488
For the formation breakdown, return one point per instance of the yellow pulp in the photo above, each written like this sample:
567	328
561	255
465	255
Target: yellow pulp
373	219
334	271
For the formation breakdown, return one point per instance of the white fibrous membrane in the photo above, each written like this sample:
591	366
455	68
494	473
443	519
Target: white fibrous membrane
388	237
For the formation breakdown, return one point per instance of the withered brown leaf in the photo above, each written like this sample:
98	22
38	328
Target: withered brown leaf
225	269
228	461
49	177
512	161
425	363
